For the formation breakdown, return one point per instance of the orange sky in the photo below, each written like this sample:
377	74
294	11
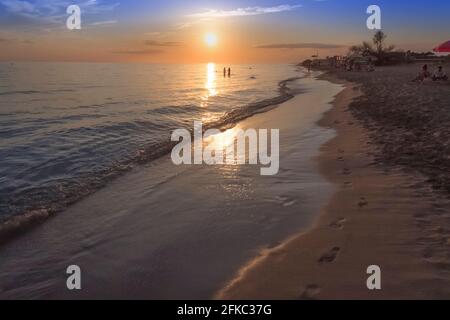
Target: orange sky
174	33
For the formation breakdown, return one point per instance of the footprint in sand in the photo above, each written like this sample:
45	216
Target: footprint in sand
362	202
330	256
346	172
340	158
338	224
310	292
348	184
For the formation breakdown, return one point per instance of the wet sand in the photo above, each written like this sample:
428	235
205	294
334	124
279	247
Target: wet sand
380	215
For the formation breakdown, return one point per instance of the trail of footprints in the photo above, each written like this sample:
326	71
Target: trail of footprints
348	184
312	290
435	254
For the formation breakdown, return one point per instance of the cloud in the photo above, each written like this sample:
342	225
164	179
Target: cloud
186	25
155	43
17	6
52	11
12	40
242	12
103	23
300	46
138	52
96	7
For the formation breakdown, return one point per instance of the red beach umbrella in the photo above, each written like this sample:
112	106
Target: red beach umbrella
445	47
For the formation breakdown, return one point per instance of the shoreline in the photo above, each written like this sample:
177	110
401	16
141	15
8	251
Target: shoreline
19	224
358	213
190	227
378	216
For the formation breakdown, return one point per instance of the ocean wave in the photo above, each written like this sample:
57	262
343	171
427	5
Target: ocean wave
28	92
44	202
174	109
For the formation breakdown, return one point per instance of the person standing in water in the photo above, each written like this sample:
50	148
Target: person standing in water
224	72
229	72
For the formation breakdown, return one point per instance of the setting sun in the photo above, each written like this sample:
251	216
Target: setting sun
211	39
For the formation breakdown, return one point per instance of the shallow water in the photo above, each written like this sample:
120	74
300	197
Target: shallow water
66	128
179	232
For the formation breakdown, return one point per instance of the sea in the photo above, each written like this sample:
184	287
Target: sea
84	149
67	129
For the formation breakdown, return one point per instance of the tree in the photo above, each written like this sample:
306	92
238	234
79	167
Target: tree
381	49
378	49
378	40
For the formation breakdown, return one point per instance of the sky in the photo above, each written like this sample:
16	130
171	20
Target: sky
245	31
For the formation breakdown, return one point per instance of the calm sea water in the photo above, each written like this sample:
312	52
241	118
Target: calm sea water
67	128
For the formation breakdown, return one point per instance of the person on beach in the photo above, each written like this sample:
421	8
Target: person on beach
229	72
424	74
350	65
370	65
439	74
224	72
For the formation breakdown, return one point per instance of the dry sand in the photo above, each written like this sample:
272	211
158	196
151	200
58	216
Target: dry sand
409	121
380	215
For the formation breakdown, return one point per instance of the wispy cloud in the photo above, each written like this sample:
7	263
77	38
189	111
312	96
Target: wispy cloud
17	6
242	12
156	43
15	40
103	23
52	11
138	52
300	46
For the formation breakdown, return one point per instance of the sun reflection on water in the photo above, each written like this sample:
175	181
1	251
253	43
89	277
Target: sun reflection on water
226	141
210	85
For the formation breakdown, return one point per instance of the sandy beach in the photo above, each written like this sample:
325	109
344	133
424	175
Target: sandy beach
309	232
234	151
383	213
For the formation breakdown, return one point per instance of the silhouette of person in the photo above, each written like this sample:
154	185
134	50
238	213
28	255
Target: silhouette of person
224	72
229	72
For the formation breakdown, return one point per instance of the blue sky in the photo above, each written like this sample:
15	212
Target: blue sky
413	24
332	10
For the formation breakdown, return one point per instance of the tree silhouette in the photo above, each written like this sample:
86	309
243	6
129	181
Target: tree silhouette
378	49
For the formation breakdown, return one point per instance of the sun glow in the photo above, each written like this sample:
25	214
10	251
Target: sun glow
210	84
211	39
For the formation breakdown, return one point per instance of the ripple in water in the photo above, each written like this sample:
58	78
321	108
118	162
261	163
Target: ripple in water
67	134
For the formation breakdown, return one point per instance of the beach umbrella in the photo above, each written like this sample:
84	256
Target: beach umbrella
445	47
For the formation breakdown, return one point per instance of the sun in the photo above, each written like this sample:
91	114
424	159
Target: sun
211	39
